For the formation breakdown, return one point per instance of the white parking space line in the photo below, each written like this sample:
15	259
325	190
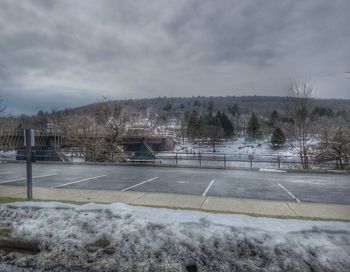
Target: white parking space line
182	182
272	170
208	187
77	181
289	193
143	182
20	179
7	173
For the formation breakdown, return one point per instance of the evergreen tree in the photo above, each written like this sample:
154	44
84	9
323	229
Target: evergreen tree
226	125
234	110
193	126
278	138
253	129
211	128
210	106
274	117
167	107
196	103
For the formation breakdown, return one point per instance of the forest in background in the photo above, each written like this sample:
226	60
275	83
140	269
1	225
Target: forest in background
299	117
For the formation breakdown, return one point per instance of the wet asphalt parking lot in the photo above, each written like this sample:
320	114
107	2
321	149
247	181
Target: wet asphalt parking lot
299	187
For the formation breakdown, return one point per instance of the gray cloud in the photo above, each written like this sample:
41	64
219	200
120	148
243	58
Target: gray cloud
66	53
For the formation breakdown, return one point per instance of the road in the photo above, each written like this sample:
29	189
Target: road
298	187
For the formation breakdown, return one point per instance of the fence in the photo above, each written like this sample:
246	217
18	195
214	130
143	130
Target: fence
180	159
239	160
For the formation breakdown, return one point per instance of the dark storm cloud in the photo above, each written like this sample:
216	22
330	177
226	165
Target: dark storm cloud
66	53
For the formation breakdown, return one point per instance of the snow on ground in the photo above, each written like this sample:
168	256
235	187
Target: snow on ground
271	170
238	153
241	145
150	239
74	156
8	154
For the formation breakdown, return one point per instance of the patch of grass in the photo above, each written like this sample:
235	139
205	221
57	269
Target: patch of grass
4	200
249	214
5	232
102	243
99	244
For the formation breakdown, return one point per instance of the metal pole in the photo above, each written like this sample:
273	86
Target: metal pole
279	162
29	163
225	160
176	158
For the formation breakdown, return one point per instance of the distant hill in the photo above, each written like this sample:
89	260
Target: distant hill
163	109
247	104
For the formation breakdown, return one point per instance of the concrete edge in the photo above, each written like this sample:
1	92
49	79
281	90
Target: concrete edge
252	207
151	164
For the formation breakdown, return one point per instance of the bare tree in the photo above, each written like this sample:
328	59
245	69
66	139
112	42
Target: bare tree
55	119
335	146
214	133
299	106
85	135
97	135
112	116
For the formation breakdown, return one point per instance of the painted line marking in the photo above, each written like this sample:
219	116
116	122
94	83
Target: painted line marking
182	182
289	193
7	173
143	182
272	170
20	179
78	181
208	187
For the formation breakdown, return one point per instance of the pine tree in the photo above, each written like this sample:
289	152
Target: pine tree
278	138
226	125
234	110
274	117
253	129
211	128
193	125
210	106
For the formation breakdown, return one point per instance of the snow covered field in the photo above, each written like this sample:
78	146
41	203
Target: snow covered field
239	152
242	146
119	237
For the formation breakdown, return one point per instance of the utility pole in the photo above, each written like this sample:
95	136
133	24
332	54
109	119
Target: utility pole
29	142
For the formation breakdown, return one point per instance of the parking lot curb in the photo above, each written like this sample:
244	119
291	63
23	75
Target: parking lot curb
269	208
157	165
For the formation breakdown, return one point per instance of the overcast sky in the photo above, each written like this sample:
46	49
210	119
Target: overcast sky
67	53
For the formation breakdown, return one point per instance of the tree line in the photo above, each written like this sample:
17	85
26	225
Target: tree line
294	127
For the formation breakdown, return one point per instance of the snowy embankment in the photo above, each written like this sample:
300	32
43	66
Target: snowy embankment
118	237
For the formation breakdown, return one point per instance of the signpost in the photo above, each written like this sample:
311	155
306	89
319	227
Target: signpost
28	143
251	157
